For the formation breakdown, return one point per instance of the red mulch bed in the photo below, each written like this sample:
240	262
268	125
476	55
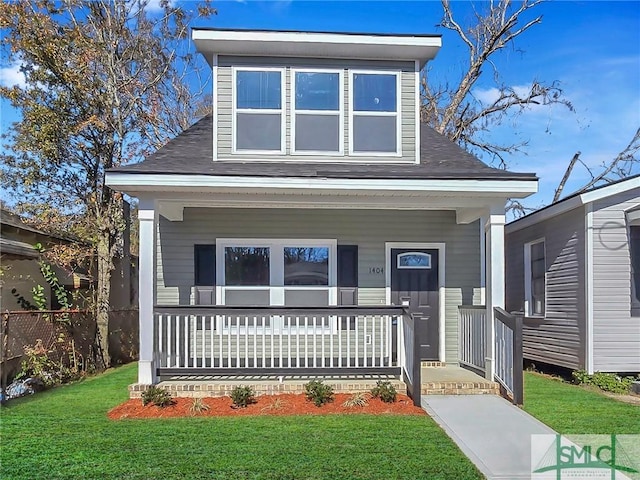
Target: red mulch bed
286	404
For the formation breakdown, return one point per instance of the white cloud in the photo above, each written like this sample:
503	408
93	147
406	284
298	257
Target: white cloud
11	75
486	96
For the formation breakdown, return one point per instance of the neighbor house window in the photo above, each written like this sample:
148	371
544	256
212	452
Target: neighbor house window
317	123
258	103
375	113
535	278
634	250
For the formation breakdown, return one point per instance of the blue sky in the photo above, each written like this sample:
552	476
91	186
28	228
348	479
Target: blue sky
592	48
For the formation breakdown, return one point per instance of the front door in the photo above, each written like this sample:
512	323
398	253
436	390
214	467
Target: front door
414	282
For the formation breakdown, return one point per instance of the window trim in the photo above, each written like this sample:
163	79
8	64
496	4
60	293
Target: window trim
413	267
397	113
235	110
633	221
276	285
340	112
528	287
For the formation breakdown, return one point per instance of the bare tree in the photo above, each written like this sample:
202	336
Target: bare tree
105	85
453	110
620	167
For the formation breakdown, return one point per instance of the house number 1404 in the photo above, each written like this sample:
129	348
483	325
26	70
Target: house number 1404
376	270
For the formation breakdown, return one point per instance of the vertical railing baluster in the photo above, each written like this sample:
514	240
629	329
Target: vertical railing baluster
357	352
314	341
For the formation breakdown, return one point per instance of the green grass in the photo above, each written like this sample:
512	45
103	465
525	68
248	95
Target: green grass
64	433
572	409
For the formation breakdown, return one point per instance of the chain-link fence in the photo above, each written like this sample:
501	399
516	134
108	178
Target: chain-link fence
66	336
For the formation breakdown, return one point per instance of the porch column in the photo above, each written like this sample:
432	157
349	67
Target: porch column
495	275
147	217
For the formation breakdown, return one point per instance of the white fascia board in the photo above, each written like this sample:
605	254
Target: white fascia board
155	182
313	44
573	202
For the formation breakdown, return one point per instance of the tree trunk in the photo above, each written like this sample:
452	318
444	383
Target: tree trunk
105	267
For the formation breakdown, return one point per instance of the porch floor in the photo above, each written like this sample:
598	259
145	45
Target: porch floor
455	380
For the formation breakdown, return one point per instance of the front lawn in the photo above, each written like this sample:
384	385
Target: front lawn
572	409
64	433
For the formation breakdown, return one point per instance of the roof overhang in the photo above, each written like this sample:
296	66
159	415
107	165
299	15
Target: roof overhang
572	202
470	199
316	45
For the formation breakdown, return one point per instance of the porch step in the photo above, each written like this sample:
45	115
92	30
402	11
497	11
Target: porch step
455	380
460	388
220	386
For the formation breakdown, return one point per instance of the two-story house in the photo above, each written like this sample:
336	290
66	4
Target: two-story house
292	230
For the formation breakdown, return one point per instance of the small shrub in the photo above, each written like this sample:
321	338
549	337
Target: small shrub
276	404
318	392
384	391
608	382
581	377
157	396
198	406
360	399
243	396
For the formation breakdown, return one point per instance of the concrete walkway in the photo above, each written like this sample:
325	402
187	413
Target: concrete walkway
493	433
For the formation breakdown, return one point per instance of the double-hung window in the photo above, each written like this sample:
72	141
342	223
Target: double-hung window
374	113
317	106
535	278
258	118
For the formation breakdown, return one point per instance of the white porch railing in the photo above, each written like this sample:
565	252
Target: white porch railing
508	346
274	340
472	323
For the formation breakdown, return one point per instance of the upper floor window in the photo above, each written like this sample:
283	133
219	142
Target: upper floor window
634	253
535	278
375	113
259	104
317	105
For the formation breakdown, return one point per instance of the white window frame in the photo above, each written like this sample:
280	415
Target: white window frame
397	113
276	285
339	112
413	267
235	110
528	287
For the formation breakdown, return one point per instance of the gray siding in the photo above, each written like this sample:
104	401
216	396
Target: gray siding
369	229
616	334
558	338
224	96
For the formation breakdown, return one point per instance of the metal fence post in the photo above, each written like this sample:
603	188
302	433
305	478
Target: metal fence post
3	362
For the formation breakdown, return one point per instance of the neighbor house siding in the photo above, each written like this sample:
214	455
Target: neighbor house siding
559	337
369	229
223	91
616	334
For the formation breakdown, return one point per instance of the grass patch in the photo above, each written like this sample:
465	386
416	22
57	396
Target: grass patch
572	409
64	433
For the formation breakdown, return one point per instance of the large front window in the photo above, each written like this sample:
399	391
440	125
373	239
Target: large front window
258	104
276	272
375	113
317	111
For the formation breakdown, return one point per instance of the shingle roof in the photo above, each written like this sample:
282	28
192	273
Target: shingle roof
191	153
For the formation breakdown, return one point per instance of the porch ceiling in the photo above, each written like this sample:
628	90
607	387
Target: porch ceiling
468	207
